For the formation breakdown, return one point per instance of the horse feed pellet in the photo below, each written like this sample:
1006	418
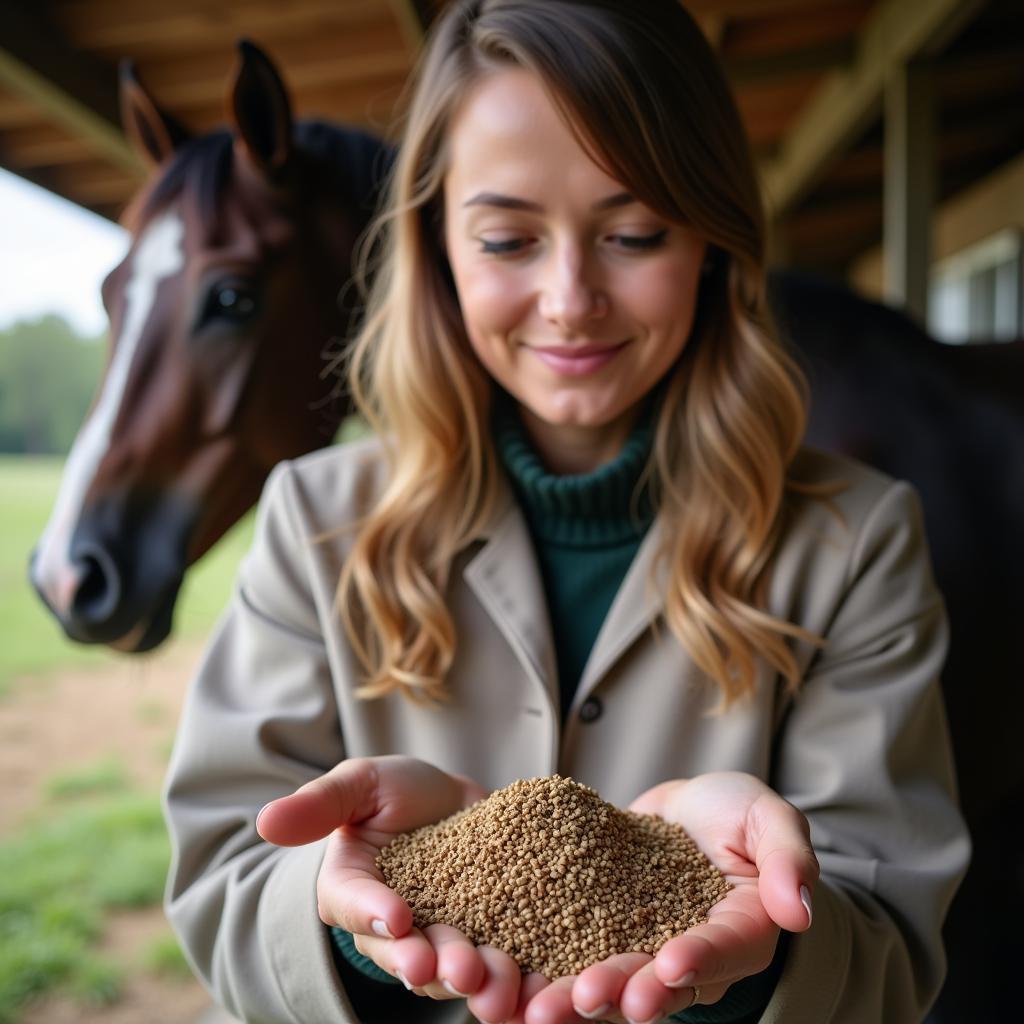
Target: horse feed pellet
554	876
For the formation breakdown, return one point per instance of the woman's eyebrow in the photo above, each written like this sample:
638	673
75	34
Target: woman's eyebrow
512	203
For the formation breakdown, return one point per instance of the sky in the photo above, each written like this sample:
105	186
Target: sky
53	257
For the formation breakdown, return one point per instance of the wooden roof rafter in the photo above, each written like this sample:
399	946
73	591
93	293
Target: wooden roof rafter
808	76
849	99
73	89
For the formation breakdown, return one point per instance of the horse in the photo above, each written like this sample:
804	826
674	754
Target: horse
950	419
229	334
227	319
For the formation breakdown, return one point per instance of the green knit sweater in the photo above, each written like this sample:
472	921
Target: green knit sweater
586	530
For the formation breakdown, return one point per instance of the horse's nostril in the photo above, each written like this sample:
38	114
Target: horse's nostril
98	594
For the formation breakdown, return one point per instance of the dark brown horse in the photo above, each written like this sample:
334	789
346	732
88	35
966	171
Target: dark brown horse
227	317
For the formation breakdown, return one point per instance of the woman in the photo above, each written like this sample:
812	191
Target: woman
586	542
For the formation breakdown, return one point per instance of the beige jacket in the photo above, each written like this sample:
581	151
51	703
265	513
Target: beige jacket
862	751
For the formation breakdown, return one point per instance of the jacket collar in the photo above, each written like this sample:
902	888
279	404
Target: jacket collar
637	604
505	577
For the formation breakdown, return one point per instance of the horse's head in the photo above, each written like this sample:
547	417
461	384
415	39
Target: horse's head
226	318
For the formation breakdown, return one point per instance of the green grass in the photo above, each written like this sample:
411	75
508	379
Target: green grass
94	845
96	981
31	641
163	956
58	878
105	776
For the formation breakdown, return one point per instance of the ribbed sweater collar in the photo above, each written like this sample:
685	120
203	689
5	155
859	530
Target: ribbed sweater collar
586	510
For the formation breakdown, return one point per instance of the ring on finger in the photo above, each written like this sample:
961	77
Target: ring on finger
696	996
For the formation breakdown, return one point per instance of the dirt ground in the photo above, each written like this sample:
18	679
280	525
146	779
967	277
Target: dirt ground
65	724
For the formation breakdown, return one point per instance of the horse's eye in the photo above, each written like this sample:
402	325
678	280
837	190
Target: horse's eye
233	302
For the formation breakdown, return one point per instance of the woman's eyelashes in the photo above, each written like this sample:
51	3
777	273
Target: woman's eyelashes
652	241
636	243
503	247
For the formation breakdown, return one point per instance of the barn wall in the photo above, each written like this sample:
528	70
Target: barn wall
992	204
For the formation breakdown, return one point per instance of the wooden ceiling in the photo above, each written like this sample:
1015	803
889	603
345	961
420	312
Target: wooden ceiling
791	63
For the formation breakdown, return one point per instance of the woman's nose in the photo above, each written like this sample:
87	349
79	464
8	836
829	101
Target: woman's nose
570	298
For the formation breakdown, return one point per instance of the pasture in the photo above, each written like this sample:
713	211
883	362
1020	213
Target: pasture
84	738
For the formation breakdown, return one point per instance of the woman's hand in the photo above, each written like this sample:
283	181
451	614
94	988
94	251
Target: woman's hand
762	845
362	805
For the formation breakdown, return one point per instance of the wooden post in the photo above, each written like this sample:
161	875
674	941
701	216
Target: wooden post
909	187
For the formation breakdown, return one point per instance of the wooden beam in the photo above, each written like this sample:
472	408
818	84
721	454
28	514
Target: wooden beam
769	109
94	183
713	26
141	30
831	235
44	145
759	8
848	100
16	112
428	10
69	88
411	23
909	186
797	30
836	54
180	92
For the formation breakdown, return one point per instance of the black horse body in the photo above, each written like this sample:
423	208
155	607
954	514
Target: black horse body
950	420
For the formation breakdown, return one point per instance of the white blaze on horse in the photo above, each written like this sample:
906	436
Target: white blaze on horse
227	320
158	254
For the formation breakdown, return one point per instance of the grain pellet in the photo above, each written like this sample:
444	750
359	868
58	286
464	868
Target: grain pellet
554	876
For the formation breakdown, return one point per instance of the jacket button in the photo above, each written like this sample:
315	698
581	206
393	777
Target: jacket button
591	710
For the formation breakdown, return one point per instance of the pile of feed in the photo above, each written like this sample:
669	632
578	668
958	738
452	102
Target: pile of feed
551	874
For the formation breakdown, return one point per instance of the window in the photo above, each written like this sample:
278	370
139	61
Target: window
977	294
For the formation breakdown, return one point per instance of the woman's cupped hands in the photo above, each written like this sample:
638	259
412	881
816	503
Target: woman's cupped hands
362	805
761	844
758	841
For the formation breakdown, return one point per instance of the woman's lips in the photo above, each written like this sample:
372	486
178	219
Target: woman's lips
578	362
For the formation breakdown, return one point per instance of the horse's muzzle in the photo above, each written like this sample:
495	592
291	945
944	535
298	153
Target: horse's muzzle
127	560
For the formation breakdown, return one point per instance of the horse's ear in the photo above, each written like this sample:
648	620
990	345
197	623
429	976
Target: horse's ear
261	109
152	132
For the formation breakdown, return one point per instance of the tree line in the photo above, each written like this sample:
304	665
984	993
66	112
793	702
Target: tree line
48	376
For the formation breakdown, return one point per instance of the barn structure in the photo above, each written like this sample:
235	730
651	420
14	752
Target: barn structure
895	124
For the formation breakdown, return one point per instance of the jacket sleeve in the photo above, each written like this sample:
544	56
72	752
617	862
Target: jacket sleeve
260	719
864	753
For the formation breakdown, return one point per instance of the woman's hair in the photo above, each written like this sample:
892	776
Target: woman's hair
642	91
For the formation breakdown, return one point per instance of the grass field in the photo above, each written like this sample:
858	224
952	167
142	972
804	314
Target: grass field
31	642
59	878
96	844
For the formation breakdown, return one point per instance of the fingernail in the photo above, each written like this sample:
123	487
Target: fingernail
260	815
805	899
449	987
380	928
401	978
593	1014
653	1020
684	982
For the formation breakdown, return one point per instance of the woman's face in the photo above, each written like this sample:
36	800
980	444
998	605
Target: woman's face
576	297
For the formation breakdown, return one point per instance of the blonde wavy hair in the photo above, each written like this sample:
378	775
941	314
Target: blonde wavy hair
644	94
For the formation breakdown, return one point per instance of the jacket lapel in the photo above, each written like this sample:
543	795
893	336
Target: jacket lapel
506	580
635	606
